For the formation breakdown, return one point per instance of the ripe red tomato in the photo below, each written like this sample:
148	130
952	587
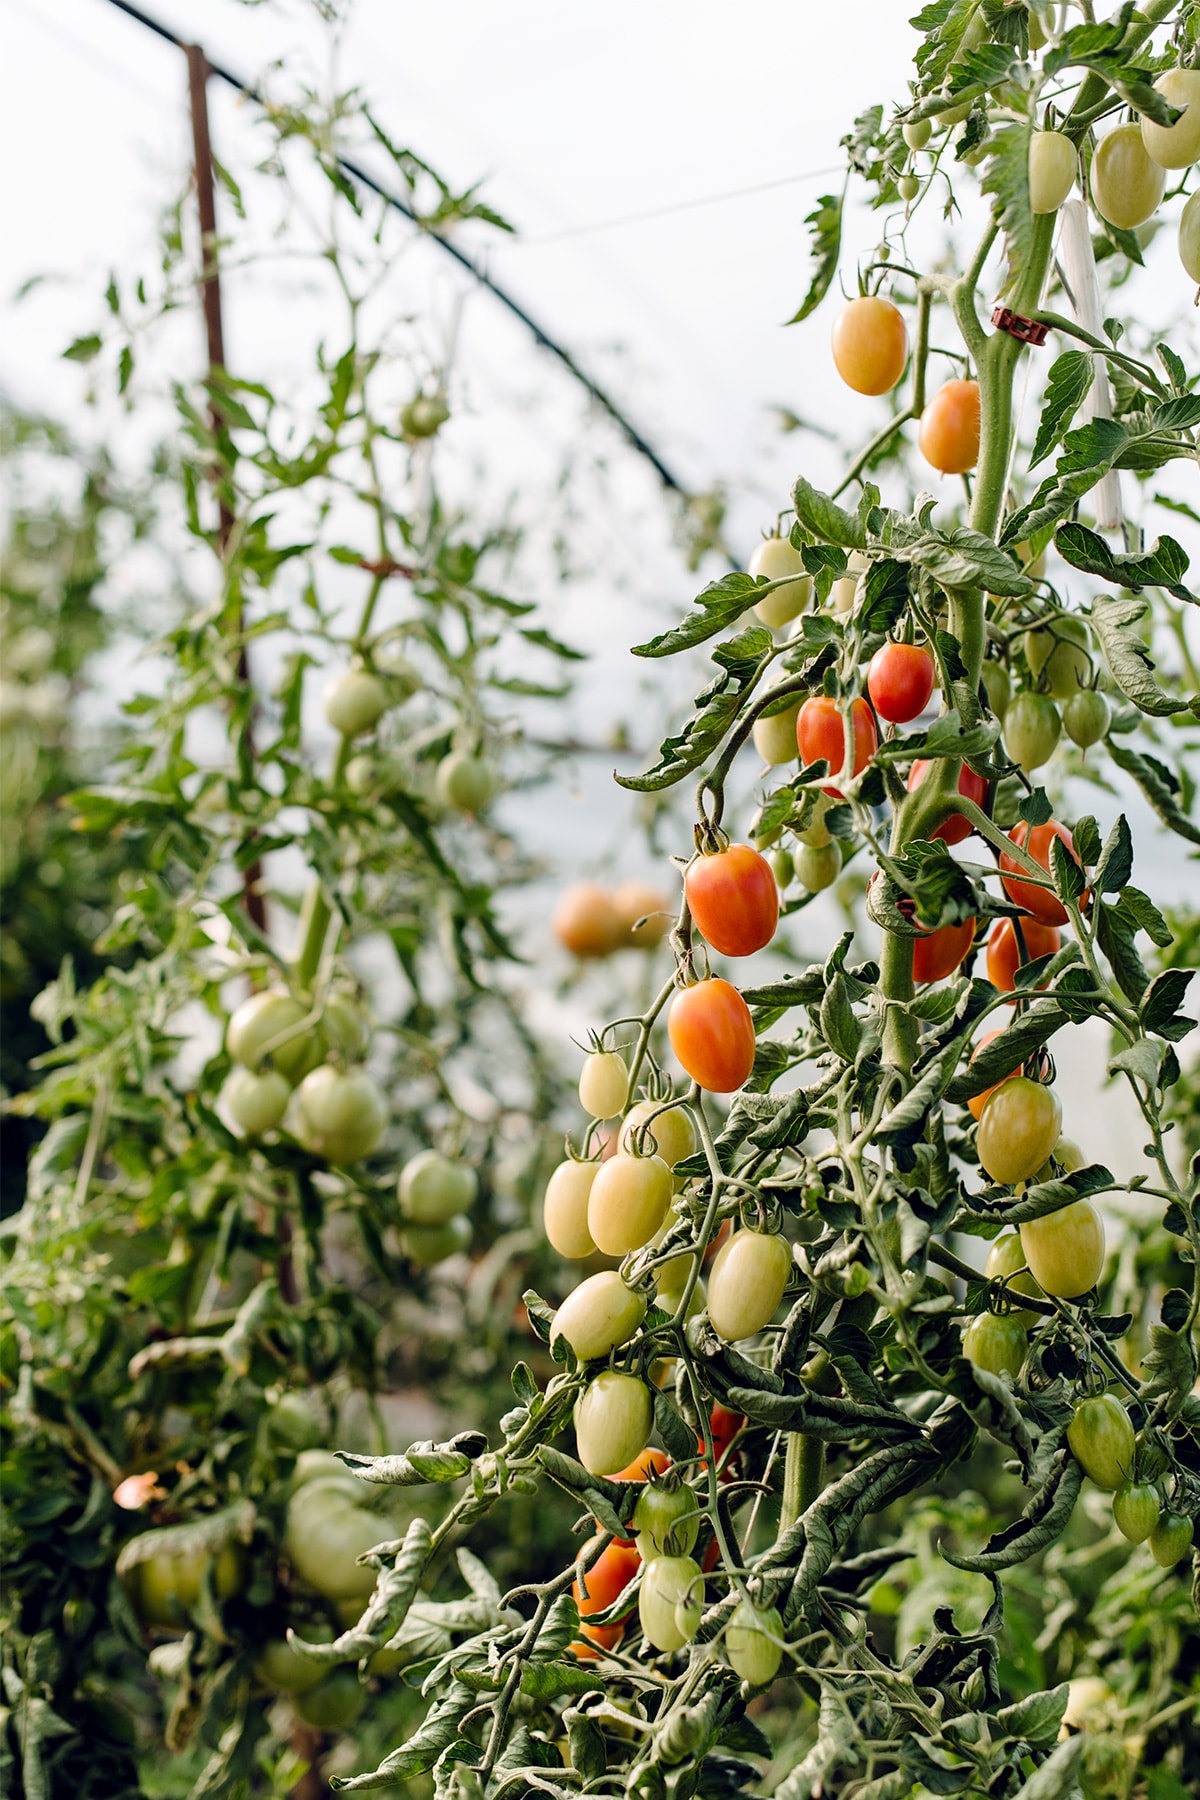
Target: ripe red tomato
939	953
712	1034
821	734
900	680
734	899
606	1580
1004	953
949	430
979	1101
971	786
1036	840
870	345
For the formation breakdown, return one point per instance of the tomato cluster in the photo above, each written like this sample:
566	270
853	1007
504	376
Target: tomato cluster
590	922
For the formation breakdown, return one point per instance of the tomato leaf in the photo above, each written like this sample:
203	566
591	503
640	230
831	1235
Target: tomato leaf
721	603
825	519
1160	1009
1159	786
954	555
421	1462
886	594
1128	659
1116	858
1043	1521
1071	376
678	1441
826	233
1162	565
1007	1052
1007	179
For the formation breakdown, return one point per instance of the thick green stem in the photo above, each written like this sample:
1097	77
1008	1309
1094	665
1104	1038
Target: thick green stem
803	1477
900	1029
314	928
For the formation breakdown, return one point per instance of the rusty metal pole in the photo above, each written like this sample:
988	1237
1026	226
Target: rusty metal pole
210	290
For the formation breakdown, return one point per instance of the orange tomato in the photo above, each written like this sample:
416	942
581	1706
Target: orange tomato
949	430
979	1101
634	901
821	734
1036	840
939	952
1004	953
870	345
734	899
971	786
608	1577
585	921
712	1034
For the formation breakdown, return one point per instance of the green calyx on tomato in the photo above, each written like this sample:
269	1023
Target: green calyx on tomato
1101	1440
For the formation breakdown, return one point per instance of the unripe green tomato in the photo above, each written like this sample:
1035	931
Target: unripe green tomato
996	1342
430	1244
1065	1249
1032	727
746	1283
908	187
1004	1259
666	1521
1019	1128
565	1209
1101	1440
292	1423
1136	1508
256	1099
322	1465
1068	1155
433	1188
754	1643
918	133
603	1084
424	416
997	685
669	1134
815	834
465	783
818	869
667	1583
670	1292
1189	236
1176	146
355	701
978	153
613	1417
1053	163
365	773
773	560
1086	717
324	1537
1061	649
784	865
1126	185
346	1027
601	1314
265	1017
628	1202
1171	1539
166	1587
334	1704
341	1114
953	114
284	1668
775	738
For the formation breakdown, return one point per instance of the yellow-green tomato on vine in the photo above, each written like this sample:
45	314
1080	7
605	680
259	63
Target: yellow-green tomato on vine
1053	161
355	701
1020	1126
341	1114
1136	1508
262	1019
325	1535
433	1188
628	1202
775	737
816	833
1086	717
1006	1262
286	1669
1171	1539
917	133
1059	651
668	1583
603	1084
817	869
1065	1249
1101	1440
1031	729
335	1703
602	1313
996	1342
430	1244
775	559
1176	146
1189	236
164	1588
256	1099
1127	184
746	1283
613	1417
565	1209
754	1643
666	1521
465	783
667	1131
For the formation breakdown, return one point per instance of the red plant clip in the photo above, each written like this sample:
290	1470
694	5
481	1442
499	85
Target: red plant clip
1029	331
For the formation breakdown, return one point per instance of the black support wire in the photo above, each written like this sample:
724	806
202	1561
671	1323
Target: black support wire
356	173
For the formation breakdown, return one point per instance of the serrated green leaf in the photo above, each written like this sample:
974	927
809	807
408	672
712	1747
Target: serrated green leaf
825	222
1163	565
1130	664
1070	379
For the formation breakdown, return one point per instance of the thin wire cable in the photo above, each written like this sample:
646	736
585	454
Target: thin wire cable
678	206
363	176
